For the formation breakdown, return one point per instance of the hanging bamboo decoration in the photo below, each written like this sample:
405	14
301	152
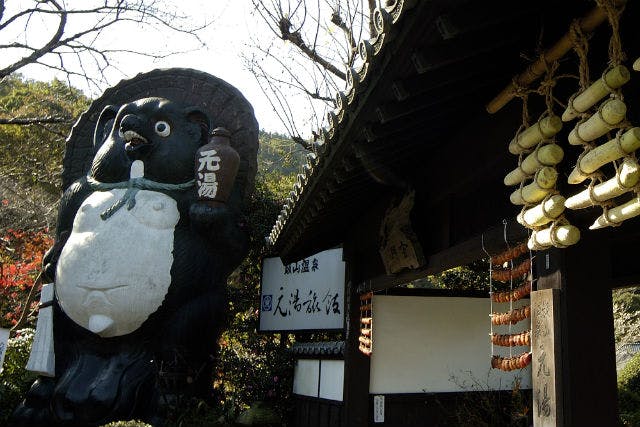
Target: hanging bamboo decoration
366	322
557	235
615	216
627	177
613	79
610	114
543	183
530	137
543	213
612	150
544	155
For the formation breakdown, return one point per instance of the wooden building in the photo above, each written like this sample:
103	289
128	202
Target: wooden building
413	146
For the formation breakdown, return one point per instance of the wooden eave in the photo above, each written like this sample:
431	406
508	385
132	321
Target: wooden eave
414	113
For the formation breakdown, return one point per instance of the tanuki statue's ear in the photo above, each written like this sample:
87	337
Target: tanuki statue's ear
104	125
196	115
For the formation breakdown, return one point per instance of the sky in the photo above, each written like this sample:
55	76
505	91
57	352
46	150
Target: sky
233	24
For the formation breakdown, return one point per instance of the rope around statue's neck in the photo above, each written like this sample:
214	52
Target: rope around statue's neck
133	186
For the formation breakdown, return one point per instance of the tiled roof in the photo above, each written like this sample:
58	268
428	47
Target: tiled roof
323	348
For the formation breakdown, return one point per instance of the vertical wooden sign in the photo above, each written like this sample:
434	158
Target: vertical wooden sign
547	362
399	246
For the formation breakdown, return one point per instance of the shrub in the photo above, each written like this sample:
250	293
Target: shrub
629	392
15	380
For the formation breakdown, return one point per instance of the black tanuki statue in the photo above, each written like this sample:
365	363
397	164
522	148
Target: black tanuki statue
150	226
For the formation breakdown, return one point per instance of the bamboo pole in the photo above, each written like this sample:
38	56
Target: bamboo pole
587	24
611	113
543	213
618	214
626	178
605	153
543	183
612	79
565	235
545	155
531	136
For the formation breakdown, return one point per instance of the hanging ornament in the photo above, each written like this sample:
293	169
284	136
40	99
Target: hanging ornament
536	175
366	324
619	152
511	317
511	363
516	294
517	272
612	79
512	340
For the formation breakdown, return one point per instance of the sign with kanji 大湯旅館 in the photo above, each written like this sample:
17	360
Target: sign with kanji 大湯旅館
304	295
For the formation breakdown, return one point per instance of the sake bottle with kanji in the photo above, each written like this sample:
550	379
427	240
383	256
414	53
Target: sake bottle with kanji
216	168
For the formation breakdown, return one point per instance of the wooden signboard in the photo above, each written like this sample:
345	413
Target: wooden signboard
399	247
546	364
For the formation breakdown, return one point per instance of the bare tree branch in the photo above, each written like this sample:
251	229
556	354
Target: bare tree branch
304	74
38	53
336	19
296	39
92	22
35	120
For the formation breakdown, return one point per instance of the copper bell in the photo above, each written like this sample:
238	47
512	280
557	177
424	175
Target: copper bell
216	168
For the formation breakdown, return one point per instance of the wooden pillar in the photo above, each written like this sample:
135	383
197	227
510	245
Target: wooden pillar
356	375
356	364
587	375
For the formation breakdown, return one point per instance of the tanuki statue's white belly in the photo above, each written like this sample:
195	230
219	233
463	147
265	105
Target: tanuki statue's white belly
112	274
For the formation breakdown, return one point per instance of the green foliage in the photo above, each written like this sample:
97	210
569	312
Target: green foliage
629	392
15	380
253	367
257	367
279	155
626	314
32	154
472	277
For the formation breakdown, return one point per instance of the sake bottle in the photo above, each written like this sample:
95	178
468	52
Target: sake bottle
216	167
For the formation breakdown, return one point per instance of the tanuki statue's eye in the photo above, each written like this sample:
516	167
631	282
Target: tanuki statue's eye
162	128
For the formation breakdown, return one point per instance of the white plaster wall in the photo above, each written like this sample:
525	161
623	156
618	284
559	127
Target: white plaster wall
305	377
331	379
438	344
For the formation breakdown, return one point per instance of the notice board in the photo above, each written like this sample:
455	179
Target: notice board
304	295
